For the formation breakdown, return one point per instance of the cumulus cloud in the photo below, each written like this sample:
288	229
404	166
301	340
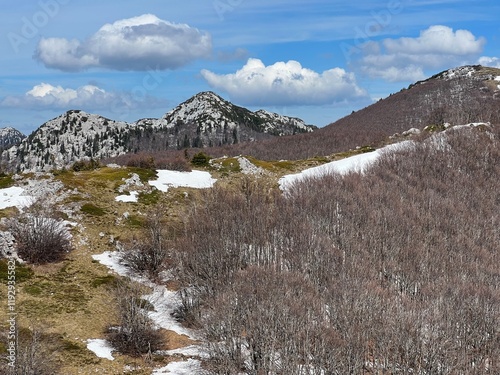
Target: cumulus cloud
285	83
405	59
138	43
92	97
493	62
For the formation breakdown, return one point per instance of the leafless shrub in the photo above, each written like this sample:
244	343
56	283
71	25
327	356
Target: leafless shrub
32	356
148	255
136	333
40	237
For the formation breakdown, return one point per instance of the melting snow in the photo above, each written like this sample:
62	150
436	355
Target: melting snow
357	163
128	198
164	302
111	259
194	179
13	197
189	367
101	348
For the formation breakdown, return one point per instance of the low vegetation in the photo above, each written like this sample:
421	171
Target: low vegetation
135	334
40	236
148	255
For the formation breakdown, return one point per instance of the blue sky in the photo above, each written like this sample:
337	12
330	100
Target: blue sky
318	60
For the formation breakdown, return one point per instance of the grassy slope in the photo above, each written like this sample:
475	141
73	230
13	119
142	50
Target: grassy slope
71	301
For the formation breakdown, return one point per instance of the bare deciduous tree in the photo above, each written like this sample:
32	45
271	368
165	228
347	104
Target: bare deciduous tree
393	271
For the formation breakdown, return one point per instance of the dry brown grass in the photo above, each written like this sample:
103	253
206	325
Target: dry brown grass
72	299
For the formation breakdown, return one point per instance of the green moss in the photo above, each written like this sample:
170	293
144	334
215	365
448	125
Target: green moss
365	149
284	164
149	198
145	175
135	221
6	181
23	272
90	209
229	165
78	353
435	128
53	297
72	346
8	212
200	159
33	290
103	280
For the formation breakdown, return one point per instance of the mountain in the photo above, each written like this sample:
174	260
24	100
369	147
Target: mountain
207	112
10	137
456	96
204	120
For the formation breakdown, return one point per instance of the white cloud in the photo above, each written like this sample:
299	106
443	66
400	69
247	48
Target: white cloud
493	62
90	97
405	59
440	40
285	83
138	43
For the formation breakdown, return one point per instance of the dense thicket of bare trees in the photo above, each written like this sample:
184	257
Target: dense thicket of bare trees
395	271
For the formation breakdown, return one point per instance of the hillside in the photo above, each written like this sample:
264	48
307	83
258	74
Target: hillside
390	270
456	96
204	120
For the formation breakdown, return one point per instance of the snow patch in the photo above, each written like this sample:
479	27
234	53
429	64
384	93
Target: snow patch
188	351
165	302
101	348
194	179
14	197
189	367
111	259
133	197
357	163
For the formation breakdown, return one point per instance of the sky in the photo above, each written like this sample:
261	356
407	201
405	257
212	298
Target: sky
318	60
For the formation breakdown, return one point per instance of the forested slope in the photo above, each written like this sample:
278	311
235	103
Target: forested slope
394	271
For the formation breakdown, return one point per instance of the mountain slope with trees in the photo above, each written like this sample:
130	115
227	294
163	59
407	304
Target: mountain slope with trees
202	121
456	96
390	271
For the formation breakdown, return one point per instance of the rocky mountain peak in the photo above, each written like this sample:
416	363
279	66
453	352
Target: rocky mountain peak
10	137
204	120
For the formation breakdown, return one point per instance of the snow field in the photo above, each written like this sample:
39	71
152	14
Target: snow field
194	179
357	163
